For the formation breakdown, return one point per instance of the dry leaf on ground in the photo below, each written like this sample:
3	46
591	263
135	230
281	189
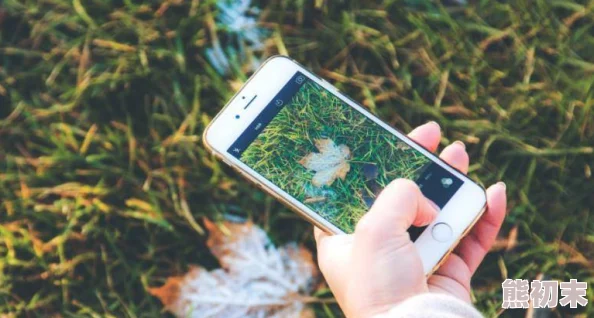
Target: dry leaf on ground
329	164
256	279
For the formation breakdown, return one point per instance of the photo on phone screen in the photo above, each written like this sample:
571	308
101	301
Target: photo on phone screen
332	157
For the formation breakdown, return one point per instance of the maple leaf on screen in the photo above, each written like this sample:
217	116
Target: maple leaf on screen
329	164
256	279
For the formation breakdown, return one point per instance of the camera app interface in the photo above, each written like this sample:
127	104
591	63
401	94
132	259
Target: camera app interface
331	157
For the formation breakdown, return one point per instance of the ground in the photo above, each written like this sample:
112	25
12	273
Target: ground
104	181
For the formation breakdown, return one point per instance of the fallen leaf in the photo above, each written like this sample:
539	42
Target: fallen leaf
256	279
329	164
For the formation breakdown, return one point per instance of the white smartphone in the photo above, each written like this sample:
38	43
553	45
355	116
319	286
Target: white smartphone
325	156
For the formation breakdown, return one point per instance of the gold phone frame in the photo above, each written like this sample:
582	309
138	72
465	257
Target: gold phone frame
305	214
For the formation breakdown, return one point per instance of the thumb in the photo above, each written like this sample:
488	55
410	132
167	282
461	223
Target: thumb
400	205
387	265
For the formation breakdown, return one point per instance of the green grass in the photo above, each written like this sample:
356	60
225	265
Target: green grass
104	180
316	114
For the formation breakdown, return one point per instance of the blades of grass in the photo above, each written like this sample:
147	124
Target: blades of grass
82	12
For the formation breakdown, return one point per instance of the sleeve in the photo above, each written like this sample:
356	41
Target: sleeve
432	305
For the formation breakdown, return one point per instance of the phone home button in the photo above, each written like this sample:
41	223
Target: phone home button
442	232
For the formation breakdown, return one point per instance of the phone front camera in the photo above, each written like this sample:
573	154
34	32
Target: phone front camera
237	116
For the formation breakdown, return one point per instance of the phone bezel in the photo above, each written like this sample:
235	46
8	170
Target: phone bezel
461	211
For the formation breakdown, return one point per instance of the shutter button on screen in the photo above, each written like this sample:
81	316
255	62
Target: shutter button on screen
441	232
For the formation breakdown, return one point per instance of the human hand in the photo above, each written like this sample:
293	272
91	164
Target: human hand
378	266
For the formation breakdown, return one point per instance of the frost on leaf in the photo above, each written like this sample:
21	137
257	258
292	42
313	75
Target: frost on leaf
243	41
329	164
256	278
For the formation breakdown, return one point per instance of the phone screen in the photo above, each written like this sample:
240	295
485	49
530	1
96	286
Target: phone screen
332	157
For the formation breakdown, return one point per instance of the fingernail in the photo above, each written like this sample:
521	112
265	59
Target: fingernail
434	206
434	123
430	218
458	142
502	184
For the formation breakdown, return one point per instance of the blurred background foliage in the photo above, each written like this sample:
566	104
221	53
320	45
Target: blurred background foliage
104	181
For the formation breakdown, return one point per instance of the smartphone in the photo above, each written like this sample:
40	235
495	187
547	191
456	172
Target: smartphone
304	142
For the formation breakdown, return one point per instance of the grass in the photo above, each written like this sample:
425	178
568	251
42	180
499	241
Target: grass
316	114
104	181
